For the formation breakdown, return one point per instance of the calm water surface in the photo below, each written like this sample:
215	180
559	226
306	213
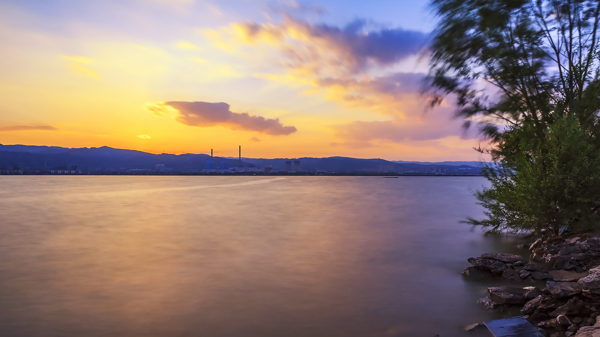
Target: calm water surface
238	256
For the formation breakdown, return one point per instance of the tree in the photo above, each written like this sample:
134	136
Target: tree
542	118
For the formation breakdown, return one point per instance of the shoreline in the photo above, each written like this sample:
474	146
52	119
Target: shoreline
556	288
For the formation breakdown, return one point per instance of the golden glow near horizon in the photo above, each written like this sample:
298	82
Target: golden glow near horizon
282	79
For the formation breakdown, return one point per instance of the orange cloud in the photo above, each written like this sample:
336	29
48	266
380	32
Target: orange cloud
205	114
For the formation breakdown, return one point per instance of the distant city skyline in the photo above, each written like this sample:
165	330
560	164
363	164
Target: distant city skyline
283	79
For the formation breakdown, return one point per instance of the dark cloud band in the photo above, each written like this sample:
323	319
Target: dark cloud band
28	128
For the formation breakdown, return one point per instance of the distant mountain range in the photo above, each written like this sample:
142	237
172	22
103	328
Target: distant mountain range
104	158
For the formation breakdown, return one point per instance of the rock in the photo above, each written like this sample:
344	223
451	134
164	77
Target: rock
475	273
571	308
540	276
511	274
531	267
494	266
503	257
551	324
532	292
577	320
474	326
590	283
569	334
566	276
507	295
557	261
488	303
597	321
563	289
573	327
558	334
531	305
563	320
572	240
518	264
524	273
588	331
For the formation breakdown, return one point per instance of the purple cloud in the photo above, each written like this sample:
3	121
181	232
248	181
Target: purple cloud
213	114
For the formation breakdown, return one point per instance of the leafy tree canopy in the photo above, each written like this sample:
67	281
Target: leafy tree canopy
542	60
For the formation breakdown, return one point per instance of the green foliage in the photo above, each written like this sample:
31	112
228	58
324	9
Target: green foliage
542	57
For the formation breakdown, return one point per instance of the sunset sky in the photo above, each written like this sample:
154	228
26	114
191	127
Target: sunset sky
280	78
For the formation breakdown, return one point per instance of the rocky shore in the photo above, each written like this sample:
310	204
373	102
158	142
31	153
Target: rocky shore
557	288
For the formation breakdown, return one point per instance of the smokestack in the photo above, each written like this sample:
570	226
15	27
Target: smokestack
211	153
240	154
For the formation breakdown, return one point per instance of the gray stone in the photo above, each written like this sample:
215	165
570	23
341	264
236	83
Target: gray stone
503	257
511	274
532	292
507	295
563	289
566	276
588	331
474	326
475	273
488	303
571	308
531	267
494	266
540	276
531	305
591	283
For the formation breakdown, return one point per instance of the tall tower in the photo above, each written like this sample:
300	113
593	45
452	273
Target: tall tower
211	153
240	155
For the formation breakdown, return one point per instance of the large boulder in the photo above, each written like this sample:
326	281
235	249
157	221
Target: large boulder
530	306
540	276
588	331
566	276
496	267
475	273
487	303
503	257
590	283
508	295
512	275
572	307
563	289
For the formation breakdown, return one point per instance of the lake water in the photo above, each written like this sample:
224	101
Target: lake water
238	256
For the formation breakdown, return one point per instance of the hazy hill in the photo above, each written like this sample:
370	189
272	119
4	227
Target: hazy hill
106	158
101	158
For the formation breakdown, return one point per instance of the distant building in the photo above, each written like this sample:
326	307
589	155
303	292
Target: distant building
288	165
224	165
210	165
296	166
159	167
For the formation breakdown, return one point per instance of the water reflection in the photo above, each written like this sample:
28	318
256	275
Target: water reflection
238	256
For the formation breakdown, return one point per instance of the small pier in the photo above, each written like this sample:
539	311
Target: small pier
512	327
